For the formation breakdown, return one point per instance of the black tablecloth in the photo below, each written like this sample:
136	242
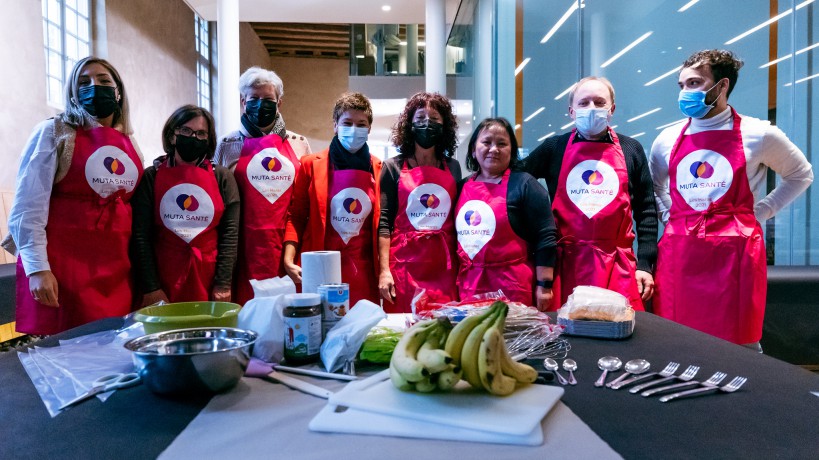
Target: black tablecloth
773	416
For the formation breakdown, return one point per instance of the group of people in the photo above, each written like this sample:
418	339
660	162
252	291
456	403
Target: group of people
210	216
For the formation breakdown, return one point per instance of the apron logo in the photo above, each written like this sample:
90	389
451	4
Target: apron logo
109	170
591	185
187	202
428	207
196	213
592	177
270	173
475	225
472	218
349	209
270	164
352	206
703	177
114	166
701	170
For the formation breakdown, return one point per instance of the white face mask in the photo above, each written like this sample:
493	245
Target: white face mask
352	137
591	122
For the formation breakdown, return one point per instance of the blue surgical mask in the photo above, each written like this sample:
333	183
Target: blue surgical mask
692	103
591	122
352	138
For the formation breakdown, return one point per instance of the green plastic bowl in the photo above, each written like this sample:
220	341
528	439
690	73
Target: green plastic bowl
184	315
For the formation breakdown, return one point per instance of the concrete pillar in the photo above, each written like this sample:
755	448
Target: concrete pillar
227	23
412	49
435	50
402	59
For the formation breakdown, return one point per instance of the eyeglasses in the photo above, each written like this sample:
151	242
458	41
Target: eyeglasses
187	132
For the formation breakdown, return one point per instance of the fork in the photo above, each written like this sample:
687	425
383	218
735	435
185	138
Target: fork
713	380
732	386
687	375
669	369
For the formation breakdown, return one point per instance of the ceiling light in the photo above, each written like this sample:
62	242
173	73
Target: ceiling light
386	8
803	79
560	21
359	56
567	125
768	22
670	72
687	5
565	91
644	114
546	136
626	49
517	126
637	135
788	56
534	114
672	123
521	66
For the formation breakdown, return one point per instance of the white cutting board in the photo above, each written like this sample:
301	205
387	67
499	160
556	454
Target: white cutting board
517	414
362	422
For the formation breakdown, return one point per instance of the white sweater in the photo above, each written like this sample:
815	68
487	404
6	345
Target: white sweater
766	146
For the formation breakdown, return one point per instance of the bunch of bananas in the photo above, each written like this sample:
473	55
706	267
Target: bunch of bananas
431	356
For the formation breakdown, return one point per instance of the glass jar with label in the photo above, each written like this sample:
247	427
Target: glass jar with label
302	328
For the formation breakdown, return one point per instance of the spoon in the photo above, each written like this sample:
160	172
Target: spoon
635	366
570	366
551	365
606	364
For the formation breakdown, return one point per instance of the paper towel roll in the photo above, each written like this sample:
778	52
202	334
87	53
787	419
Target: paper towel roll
319	267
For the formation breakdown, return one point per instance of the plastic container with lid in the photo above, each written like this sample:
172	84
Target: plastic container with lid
302	328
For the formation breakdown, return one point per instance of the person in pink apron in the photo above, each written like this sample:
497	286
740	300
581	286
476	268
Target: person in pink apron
186	216
599	181
265	166
711	268
335	197
503	219
416	240
71	218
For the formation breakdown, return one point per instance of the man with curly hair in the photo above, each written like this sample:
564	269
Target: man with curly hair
710	176
598	181
335	203
416	234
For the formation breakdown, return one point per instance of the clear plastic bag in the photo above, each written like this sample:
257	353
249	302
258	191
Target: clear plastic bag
345	338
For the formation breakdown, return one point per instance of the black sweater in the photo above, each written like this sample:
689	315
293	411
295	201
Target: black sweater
144	229
530	216
545	162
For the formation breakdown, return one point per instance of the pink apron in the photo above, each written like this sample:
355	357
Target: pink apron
592	210
711	268
88	232
189	208
492	255
352	194
264	173
422	250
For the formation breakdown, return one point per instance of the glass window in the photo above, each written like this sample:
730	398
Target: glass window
66	38
202	38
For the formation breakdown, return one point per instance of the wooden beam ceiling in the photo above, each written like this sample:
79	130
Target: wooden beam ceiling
305	40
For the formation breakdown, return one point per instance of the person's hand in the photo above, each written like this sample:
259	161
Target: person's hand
645	284
293	271
221	294
43	287
154	297
543	296
386	286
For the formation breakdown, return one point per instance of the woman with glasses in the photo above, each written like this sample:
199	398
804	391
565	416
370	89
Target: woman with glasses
70	219
186	216
416	232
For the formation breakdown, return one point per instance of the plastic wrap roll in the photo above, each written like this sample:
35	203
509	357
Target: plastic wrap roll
319	267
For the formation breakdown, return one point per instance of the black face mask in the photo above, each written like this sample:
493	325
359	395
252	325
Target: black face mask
427	133
191	149
98	101
261	112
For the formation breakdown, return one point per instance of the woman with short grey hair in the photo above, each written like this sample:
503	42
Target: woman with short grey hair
264	157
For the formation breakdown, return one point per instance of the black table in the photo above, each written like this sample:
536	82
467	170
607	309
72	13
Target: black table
773	416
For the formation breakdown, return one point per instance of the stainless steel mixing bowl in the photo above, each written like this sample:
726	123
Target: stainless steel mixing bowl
195	361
